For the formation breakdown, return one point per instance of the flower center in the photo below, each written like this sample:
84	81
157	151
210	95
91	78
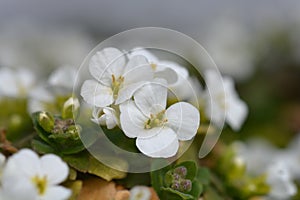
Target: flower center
40	183
156	120
153	66
116	85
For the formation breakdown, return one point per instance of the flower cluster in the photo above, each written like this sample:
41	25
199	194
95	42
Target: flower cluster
26	176
280	166
131	90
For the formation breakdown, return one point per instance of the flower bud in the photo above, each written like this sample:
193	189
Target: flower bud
70	108
186	185
175	185
46	121
181	171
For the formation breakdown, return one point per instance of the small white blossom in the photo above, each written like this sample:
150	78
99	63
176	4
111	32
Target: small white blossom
280	180
223	101
140	193
28	177
117	79
228	44
15	82
105	116
177	76
59	84
156	128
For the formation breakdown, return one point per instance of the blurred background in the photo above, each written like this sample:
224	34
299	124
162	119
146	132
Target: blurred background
256	42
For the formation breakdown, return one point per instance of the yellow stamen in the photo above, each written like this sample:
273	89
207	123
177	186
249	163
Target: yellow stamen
40	183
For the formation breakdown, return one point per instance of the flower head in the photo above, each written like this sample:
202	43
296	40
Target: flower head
26	176
156	127
16	82
280	180
223	102
140	193
57	89
105	116
116	79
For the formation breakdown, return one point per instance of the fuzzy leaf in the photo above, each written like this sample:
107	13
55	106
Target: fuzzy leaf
86	163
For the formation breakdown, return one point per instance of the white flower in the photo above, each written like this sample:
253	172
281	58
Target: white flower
105	116
26	176
228	45
59	84
116	79
177	76
280	180
140	193
15	82
156	128
223	102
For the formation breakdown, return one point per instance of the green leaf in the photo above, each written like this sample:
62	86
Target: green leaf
86	163
40	131
41	146
64	143
157	176
197	189
203	175
168	193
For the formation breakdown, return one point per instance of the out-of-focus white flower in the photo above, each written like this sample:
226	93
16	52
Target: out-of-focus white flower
140	193
105	116
263	158
280	180
26	176
156	128
223	101
116	79
59	84
256	153
228	44
16	82
177	76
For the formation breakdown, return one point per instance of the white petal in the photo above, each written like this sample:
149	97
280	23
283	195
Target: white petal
133	121
127	92
151	98
279	178
18	188
110	117
184	119
25	78
26	158
105	63
96	94
57	193
55	169
9	86
144	52
163	145
237	114
41	93
63	77
137	69
168	74
236	109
